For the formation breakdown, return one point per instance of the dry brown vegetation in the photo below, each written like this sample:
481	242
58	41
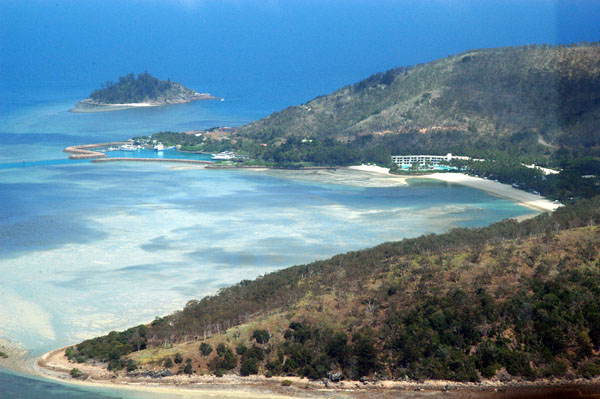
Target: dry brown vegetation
513	298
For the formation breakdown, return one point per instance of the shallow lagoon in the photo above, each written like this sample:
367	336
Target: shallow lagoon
87	248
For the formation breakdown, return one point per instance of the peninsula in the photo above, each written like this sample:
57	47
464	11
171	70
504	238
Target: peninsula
511	305
473	308
142	91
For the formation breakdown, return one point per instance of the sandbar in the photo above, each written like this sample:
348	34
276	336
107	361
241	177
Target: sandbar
17	356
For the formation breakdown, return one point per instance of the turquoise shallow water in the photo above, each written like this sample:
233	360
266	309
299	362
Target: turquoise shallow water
17	386
87	248
152	154
145	238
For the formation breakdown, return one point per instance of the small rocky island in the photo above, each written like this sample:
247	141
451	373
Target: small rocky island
142	91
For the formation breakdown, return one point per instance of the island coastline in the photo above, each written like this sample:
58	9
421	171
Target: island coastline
55	366
531	201
16	357
88	105
521	197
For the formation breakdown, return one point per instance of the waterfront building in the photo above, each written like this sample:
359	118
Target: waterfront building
424	160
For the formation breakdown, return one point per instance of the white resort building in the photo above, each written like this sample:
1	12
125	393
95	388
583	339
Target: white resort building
423	160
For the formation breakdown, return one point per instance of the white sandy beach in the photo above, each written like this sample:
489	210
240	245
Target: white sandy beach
524	198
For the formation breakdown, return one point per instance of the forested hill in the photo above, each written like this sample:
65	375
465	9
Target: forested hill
549	92
143	88
508	300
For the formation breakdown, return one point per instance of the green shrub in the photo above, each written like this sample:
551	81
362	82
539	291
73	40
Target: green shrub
205	349
517	363
221	349
241	349
558	368
168	363
286	383
249	366
226	359
131	365
70	353
261	336
256	353
178	358
76	373
590	369
488	371
116	365
188	368
365	354
274	366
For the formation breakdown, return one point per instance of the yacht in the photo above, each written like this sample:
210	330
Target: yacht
223	156
128	147
159	147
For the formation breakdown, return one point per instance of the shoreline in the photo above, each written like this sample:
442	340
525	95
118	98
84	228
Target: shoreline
235	386
54	366
89	106
523	198
18	357
534	202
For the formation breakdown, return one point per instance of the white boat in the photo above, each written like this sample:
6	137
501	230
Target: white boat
223	156
159	147
128	147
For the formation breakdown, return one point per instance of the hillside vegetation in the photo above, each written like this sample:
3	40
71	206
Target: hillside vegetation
510	299
143	88
540	97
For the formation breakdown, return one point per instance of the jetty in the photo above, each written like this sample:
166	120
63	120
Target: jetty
188	161
86	151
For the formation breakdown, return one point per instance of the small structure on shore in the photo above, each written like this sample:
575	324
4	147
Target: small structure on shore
424	160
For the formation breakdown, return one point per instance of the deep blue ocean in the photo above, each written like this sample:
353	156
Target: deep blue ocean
87	248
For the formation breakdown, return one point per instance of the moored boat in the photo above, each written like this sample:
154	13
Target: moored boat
223	156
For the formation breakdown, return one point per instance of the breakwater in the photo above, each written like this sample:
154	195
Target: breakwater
219	166
192	161
208	164
85	151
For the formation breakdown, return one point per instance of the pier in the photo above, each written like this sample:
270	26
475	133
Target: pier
85	151
188	161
